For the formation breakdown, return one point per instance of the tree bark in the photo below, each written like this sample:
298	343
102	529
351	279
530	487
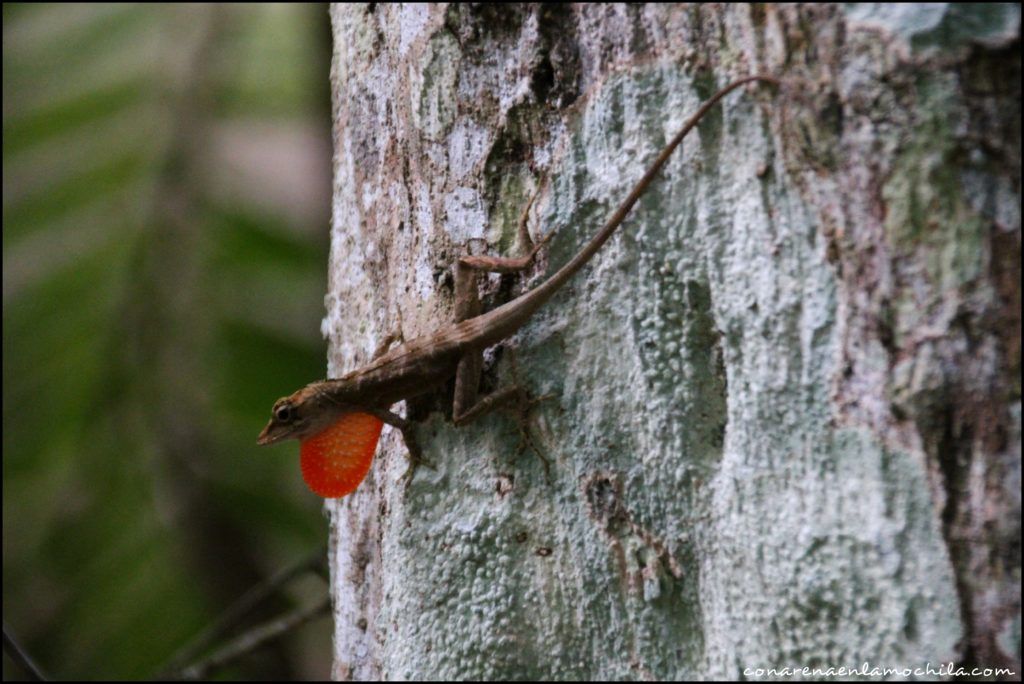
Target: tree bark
785	422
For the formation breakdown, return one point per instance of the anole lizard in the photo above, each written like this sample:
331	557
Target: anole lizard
338	422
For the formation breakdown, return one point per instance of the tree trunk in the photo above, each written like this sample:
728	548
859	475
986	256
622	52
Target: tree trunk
784	427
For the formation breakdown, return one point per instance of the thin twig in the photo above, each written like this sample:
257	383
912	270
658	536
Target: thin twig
255	638
21	657
234	615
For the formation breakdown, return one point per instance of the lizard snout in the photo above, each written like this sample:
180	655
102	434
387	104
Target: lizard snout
266	437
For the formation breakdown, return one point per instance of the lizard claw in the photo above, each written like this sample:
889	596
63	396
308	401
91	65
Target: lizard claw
416	457
525	407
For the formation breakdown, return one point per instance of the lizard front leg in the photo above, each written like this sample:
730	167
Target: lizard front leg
412	445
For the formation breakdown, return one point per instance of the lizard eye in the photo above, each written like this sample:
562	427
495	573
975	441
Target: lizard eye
284	414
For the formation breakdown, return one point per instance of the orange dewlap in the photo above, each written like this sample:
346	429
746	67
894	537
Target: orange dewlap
336	460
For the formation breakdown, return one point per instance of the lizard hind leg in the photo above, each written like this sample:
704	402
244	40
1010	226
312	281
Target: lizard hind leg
467	301
519	400
511	264
385	344
467	305
514	397
467	404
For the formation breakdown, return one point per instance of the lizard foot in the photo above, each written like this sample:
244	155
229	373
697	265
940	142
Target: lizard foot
416	457
523	408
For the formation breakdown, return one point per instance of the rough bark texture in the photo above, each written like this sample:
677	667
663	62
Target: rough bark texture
785	424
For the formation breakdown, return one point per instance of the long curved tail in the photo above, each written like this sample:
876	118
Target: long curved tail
504	320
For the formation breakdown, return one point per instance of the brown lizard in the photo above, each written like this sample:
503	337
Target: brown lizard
339	421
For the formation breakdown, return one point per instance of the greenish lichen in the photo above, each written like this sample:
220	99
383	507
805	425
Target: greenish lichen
437	104
942	26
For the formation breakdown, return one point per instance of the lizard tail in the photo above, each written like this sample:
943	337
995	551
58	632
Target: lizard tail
504	320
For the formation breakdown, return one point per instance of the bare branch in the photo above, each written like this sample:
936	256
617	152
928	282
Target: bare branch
15	651
256	638
234	615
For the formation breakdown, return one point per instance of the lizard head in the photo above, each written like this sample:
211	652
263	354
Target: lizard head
337	443
305	413
296	416
286	422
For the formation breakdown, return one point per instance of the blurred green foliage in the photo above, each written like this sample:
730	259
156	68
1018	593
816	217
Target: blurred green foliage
166	199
